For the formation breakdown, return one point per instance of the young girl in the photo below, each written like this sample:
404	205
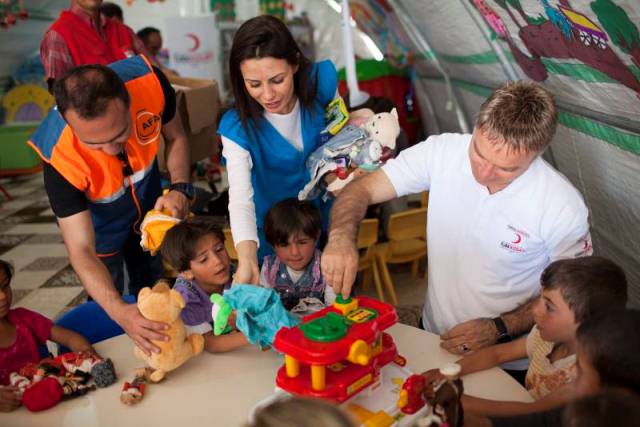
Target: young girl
573	291
195	248
293	227
22	332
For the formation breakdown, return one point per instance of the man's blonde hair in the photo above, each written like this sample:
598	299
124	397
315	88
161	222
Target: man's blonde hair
520	114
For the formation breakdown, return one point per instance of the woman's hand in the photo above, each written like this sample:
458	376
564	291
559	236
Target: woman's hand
248	271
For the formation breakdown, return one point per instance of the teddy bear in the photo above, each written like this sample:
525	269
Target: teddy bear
353	151
163	304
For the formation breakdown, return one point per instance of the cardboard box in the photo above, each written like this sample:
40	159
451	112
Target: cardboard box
198	103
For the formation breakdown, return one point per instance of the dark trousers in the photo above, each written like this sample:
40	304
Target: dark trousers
143	269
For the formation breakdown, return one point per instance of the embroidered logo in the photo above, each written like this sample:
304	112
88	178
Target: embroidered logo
585	246
515	245
148	126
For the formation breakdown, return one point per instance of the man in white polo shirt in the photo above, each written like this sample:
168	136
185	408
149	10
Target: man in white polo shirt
498	215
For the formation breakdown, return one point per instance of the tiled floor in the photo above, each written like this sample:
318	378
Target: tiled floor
44	280
31	241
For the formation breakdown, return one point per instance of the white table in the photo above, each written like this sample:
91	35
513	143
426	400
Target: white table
220	389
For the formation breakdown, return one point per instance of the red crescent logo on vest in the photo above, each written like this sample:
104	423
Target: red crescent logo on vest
196	41
148	127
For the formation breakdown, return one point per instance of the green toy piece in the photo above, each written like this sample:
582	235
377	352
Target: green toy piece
328	328
220	313
341	300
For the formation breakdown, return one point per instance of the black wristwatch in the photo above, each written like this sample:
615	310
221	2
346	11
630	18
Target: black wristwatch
185	188
503	334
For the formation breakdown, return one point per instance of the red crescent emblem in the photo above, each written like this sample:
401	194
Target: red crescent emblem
196	41
518	239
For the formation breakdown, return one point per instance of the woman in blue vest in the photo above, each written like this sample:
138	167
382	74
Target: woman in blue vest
280	97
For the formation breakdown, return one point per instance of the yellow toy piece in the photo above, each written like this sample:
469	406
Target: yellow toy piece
345	306
153	229
336	115
359	353
24	96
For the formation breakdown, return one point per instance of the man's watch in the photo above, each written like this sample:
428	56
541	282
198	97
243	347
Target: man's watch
503	334
185	188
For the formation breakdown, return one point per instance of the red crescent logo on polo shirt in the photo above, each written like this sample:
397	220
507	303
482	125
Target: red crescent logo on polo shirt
518	239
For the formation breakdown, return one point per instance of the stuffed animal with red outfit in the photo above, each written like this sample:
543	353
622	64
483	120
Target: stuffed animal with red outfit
43	384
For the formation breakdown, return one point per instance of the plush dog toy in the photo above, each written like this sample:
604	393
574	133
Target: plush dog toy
163	304
364	147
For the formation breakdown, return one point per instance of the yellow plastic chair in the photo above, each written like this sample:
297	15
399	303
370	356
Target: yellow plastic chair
407	243
366	244
229	245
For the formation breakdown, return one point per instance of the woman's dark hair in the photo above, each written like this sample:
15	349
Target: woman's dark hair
588	284
290	216
7	268
263	37
179	244
88	89
611	342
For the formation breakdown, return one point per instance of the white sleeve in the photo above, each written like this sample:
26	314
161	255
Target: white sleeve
410	172
329	295
570	236
242	210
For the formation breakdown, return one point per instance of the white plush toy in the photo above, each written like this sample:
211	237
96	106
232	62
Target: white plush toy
354	148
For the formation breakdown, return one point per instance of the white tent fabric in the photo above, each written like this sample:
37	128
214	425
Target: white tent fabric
587	52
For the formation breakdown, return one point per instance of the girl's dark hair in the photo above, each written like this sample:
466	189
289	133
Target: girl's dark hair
611	342
290	216
263	37
7	268
179	244
588	285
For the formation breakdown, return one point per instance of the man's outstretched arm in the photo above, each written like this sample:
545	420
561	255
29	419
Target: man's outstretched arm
340	257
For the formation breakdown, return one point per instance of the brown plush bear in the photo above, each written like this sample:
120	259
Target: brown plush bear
162	304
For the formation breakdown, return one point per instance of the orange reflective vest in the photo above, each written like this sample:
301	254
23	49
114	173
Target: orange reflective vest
116	202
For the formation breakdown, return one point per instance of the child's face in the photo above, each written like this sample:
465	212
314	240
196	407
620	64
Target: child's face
297	253
555	320
5	294
210	266
588	380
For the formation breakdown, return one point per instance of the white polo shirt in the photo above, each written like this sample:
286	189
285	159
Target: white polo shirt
487	251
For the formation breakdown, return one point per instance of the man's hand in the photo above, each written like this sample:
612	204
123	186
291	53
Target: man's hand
175	202
470	336
9	398
339	264
141	330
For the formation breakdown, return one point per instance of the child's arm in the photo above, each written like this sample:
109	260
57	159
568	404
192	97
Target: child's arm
70	339
9	398
222	343
495	408
486	358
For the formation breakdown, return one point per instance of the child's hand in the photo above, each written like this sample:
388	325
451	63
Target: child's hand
433	376
9	398
231	322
